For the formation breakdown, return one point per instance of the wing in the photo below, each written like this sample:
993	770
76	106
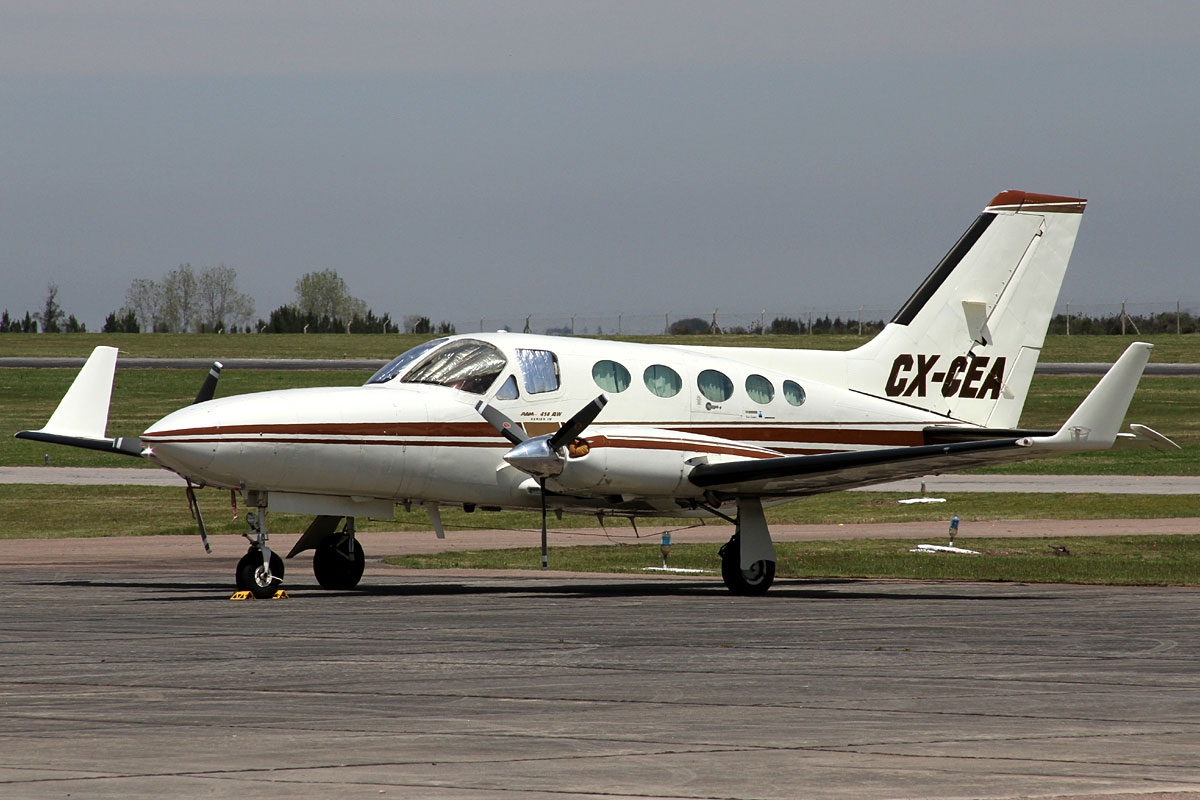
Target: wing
1093	426
804	475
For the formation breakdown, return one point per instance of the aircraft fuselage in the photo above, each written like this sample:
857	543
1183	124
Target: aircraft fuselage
401	440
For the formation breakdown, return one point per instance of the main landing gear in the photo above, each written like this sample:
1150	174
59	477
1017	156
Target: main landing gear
338	557
338	561
748	558
753	580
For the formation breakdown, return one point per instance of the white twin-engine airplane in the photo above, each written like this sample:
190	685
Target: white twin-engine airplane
508	420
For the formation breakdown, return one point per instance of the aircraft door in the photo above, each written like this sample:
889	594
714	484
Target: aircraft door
539	408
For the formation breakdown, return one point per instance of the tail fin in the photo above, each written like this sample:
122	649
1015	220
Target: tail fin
967	341
1096	423
82	415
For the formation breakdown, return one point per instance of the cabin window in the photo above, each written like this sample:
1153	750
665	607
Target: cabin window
611	376
662	381
402	361
509	390
714	385
761	390
793	393
467	364
540	368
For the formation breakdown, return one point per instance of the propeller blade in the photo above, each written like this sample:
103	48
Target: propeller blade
507	428
576	424
209	387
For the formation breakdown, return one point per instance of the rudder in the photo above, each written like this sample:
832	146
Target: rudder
966	343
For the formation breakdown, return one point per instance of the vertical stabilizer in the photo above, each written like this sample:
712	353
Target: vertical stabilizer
967	341
83	411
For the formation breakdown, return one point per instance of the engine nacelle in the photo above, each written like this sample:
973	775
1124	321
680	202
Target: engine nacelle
650	462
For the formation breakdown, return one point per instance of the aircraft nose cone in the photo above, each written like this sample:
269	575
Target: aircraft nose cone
184	440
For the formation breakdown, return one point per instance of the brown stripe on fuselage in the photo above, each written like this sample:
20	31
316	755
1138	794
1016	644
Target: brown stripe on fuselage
682	445
778	437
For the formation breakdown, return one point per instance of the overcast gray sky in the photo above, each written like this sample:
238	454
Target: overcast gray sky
463	160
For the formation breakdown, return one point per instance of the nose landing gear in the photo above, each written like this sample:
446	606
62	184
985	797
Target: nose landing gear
260	571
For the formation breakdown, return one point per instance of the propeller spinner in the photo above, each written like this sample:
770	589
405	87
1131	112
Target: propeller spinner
540	456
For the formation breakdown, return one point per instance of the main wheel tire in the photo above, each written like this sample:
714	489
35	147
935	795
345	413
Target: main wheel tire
338	563
252	578
753	581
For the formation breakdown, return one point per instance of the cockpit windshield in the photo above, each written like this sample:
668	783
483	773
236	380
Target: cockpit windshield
402	361
467	364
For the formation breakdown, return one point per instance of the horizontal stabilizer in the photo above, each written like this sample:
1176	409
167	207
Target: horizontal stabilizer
1145	438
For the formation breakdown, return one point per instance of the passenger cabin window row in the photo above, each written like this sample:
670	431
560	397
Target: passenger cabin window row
474	366
663	381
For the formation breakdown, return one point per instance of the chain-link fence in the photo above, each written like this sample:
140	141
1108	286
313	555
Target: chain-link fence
675	322
1177	316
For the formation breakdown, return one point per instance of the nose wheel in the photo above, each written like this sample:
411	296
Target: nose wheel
259	578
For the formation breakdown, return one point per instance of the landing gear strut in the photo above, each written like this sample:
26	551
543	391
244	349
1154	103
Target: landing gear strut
260	571
748	559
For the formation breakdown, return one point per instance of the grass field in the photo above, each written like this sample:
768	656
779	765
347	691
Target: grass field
1167	348
29	396
1168	404
38	511
1109	560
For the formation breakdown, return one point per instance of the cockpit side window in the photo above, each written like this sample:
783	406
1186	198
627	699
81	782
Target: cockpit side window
402	361
509	390
540	368
467	364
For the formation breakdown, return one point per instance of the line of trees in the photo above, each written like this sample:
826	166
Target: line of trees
51	319
778	326
187	300
184	301
324	305
208	301
1123	324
